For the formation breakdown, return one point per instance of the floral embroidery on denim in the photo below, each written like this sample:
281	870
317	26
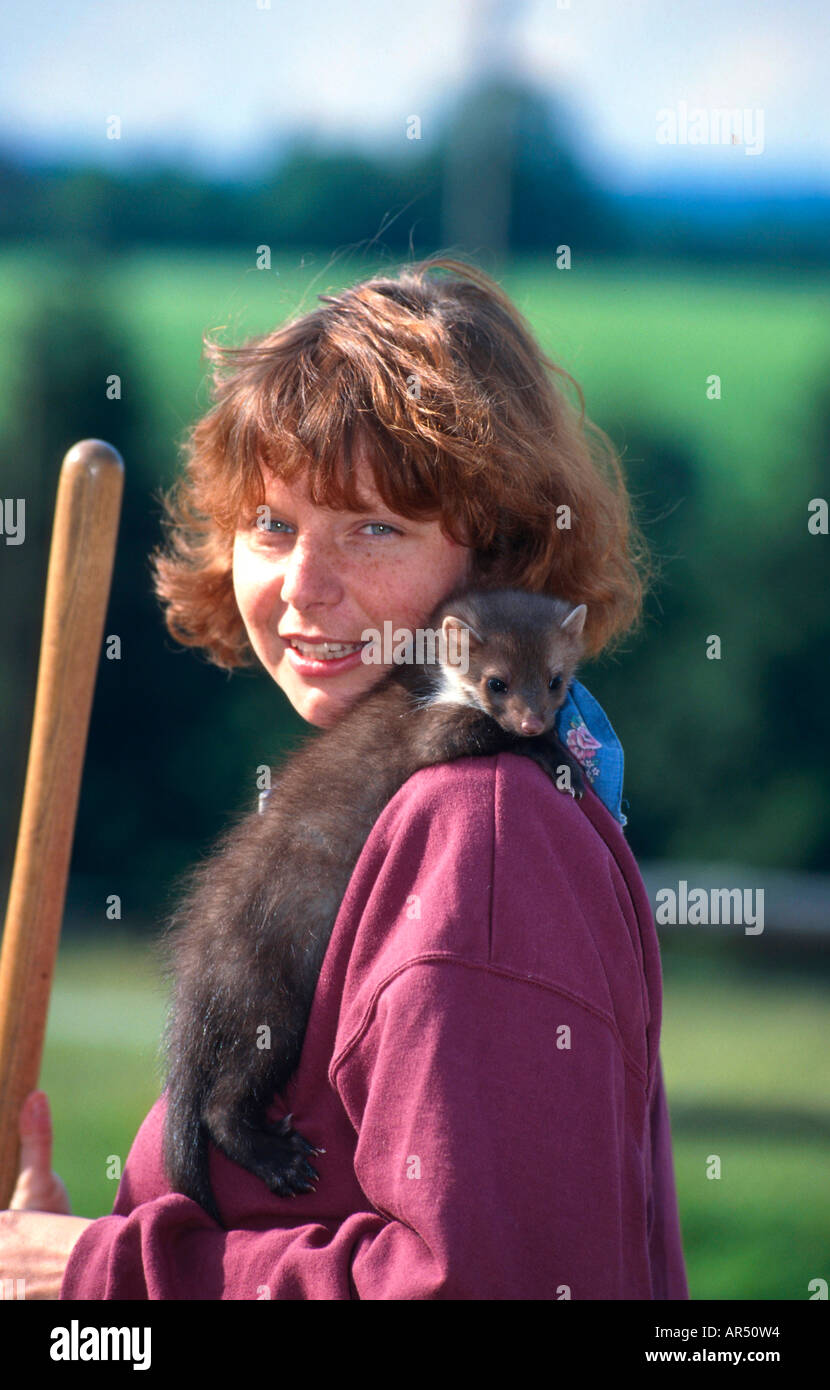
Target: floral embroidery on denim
580	720
582	744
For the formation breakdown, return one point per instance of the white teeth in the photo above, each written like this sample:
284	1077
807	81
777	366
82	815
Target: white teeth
327	651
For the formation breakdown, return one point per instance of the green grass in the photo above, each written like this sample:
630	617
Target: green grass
746	1068
101	1066
745	1062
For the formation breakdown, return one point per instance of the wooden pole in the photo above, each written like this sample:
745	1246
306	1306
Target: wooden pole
81	558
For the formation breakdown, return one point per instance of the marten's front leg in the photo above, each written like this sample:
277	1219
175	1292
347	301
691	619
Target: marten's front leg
235	1113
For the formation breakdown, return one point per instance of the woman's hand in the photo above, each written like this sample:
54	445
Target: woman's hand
38	1232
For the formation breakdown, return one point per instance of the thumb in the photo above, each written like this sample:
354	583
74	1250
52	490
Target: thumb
38	1188
36	1135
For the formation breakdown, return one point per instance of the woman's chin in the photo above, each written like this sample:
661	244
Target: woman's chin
326	703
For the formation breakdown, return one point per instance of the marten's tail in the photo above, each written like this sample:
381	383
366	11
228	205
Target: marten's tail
187	1150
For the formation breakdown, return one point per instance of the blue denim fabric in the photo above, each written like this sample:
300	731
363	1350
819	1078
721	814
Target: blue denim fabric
602	765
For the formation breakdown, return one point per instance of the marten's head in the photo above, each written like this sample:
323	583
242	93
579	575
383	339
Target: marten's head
521	651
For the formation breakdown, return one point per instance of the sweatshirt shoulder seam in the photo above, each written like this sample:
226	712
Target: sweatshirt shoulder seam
448	958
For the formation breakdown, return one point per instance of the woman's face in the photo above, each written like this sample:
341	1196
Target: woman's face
312	573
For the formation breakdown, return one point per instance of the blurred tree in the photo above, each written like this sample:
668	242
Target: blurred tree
336	198
553	198
505	174
643	686
513	181
790	621
67	353
726	758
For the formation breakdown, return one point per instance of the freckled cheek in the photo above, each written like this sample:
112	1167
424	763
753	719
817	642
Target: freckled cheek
258	599
416	609
422	595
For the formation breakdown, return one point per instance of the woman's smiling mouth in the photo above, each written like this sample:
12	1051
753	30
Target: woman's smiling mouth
323	658
321	648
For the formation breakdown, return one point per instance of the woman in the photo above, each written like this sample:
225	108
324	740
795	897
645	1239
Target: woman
481	1064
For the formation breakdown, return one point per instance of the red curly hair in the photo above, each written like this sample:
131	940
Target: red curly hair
440	381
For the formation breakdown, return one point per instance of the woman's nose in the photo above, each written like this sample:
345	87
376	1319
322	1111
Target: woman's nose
308	577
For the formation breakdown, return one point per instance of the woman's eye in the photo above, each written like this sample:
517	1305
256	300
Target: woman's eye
267	525
273	526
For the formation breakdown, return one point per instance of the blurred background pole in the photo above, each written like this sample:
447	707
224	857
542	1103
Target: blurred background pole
481	138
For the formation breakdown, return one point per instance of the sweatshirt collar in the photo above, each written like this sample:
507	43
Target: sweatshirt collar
585	729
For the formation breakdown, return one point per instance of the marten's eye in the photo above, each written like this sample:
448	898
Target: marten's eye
496	685
554	683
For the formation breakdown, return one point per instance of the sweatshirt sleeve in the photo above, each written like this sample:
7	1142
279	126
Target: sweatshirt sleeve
158	1244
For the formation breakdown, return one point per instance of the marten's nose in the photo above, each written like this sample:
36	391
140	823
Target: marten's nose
531	724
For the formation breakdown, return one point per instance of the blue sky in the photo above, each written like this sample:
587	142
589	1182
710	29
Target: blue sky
220	84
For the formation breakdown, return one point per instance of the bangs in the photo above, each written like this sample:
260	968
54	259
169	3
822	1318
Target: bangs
330	468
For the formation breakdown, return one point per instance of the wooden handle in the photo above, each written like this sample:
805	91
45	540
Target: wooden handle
77	591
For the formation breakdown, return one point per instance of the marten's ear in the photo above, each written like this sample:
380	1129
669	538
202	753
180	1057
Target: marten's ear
451	621
575	621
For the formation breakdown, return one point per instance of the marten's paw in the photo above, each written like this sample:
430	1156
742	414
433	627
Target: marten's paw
550	754
276	1153
578	785
280	1157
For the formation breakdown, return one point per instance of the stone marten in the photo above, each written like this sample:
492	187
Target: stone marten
245	945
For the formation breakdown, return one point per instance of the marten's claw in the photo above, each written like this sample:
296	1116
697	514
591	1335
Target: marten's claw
276	1153
283	1160
289	1179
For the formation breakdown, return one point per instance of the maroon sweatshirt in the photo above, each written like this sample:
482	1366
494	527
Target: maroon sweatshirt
481	1066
